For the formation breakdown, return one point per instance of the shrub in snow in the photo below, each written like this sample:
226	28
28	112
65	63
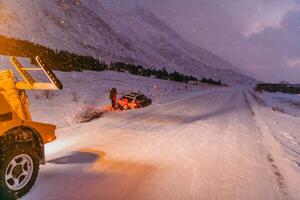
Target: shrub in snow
47	94
37	94
75	96
88	115
277	109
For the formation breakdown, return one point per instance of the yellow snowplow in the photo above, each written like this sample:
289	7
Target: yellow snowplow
21	139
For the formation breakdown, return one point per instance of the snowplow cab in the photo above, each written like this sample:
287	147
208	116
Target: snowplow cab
21	139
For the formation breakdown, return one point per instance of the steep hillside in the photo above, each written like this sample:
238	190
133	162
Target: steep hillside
86	27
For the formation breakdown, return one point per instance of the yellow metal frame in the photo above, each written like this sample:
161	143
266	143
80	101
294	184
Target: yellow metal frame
29	83
14	104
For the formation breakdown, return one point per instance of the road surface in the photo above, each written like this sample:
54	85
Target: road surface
200	145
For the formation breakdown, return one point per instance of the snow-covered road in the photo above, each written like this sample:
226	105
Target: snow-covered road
200	145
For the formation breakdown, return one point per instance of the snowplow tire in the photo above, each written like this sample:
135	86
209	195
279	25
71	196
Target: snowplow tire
15	154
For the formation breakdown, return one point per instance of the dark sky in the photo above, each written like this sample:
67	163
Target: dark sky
261	37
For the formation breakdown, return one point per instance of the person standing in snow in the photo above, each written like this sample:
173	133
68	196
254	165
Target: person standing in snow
113	97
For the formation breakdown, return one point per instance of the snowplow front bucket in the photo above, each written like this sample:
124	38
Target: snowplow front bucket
46	131
29	83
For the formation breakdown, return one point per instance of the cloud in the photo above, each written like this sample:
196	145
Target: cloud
278	49
259	36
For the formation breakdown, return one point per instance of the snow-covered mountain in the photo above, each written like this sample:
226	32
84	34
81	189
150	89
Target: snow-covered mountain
86	27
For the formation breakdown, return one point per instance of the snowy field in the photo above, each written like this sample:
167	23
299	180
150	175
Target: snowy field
193	143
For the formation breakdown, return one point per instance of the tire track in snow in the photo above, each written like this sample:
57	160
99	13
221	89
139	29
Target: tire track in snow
277	175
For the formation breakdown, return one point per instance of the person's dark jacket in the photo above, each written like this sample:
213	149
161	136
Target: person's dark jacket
113	94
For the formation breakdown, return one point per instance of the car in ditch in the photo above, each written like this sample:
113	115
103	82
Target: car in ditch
133	100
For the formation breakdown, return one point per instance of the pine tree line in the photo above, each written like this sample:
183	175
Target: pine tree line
284	88
67	61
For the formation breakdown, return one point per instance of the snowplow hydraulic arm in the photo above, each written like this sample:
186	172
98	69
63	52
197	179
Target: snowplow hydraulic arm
29	83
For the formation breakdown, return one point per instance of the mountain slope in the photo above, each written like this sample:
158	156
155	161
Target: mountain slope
86	27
